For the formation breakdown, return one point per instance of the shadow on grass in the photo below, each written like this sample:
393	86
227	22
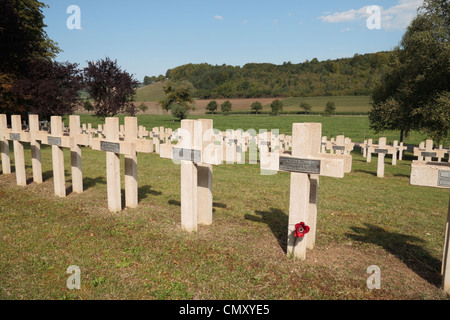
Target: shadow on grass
174	203
91	182
405	247
215	204
144	191
277	221
366	171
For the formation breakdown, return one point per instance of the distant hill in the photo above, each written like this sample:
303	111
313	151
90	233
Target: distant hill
151	92
340	77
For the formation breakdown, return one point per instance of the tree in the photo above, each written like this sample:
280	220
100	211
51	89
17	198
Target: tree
178	99
22	40
256	106
50	88
212	106
305	106
226	107
111	88
276	106
414	91
143	107
330	108
87	105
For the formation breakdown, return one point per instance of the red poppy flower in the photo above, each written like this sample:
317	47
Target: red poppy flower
300	230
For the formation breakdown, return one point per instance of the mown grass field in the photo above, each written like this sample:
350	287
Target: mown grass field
151	94
143	254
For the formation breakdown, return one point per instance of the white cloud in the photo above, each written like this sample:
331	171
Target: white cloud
218	17
245	21
398	16
275	21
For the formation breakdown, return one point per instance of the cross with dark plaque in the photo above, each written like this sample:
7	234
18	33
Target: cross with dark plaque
4	145
58	141
382	150
113	147
196	157
306	164
18	136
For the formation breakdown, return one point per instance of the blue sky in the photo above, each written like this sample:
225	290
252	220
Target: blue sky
148	37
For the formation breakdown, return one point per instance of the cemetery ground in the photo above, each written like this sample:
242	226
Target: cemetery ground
142	253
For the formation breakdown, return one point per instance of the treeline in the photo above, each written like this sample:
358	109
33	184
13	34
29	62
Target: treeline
346	76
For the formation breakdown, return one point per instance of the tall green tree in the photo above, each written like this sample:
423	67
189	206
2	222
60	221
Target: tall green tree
178	100
212	106
414	91
276	106
226	107
23	39
256	106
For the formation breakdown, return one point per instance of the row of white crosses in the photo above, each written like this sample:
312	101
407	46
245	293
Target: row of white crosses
340	145
111	144
426	152
382	149
435	174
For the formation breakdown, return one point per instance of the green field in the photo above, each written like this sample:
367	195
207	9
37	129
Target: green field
143	254
355	104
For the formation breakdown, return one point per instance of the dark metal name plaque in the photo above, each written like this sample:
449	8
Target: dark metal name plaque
155	135
54	141
110	146
299	165
385	151
444	178
187	155
14	136
238	149
342	148
428	154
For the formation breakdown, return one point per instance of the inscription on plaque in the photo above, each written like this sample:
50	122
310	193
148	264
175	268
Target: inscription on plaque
299	165
110	146
54	141
14	136
238	149
187	154
444	179
381	151
342	148
428	154
264	143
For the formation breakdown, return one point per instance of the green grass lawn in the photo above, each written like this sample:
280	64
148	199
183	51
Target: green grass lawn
143	254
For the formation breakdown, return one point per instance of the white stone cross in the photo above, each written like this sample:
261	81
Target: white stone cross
196	153
113	147
18	136
4	145
306	164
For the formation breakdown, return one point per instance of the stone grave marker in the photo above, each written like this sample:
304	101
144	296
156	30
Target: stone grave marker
113	147
4	145
305	164
436	174
18	136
